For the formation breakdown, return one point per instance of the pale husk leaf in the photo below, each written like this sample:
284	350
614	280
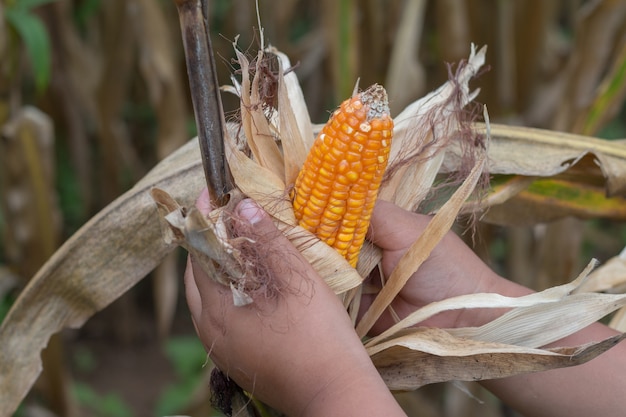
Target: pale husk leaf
618	322
611	276
255	126
289	84
542	324
424	130
483	300
294	144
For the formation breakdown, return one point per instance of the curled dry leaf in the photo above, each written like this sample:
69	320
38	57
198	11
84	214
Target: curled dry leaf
207	240
588	174
442	357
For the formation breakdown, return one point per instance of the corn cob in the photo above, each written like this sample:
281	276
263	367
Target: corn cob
336	189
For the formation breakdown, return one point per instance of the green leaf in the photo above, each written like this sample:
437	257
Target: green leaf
35	37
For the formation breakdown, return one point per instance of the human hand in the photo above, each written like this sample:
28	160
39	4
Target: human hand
297	351
451	270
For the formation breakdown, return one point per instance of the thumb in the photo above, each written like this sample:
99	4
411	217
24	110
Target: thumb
250	211
274	250
393	228
254	222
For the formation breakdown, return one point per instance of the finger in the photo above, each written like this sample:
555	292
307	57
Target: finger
393	228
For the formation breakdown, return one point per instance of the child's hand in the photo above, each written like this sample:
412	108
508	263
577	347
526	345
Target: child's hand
452	269
296	351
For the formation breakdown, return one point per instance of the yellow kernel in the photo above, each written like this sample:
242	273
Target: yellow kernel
356	166
343	137
300	200
345	237
352	176
341	246
365	127
359	195
337	209
331	217
353	156
343	166
347	129
312	211
348	229
374	143
325	173
356	147
316	201
359	138
327	165
377	124
342	179
316	192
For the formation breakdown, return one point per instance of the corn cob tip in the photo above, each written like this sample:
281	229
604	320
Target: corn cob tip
375	98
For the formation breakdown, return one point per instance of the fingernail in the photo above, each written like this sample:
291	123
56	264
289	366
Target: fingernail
250	211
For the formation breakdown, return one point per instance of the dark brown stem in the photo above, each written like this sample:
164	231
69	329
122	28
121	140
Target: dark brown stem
205	96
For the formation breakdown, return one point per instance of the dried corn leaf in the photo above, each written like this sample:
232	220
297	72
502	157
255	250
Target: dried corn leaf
506	346
442	357
535	320
294	126
587	176
618	322
482	300
289	84
544	200
105	258
543	153
255	125
545	323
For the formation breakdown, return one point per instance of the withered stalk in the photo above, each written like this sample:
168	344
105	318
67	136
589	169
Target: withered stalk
205	95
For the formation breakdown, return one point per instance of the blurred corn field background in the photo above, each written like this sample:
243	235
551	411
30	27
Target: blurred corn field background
93	93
